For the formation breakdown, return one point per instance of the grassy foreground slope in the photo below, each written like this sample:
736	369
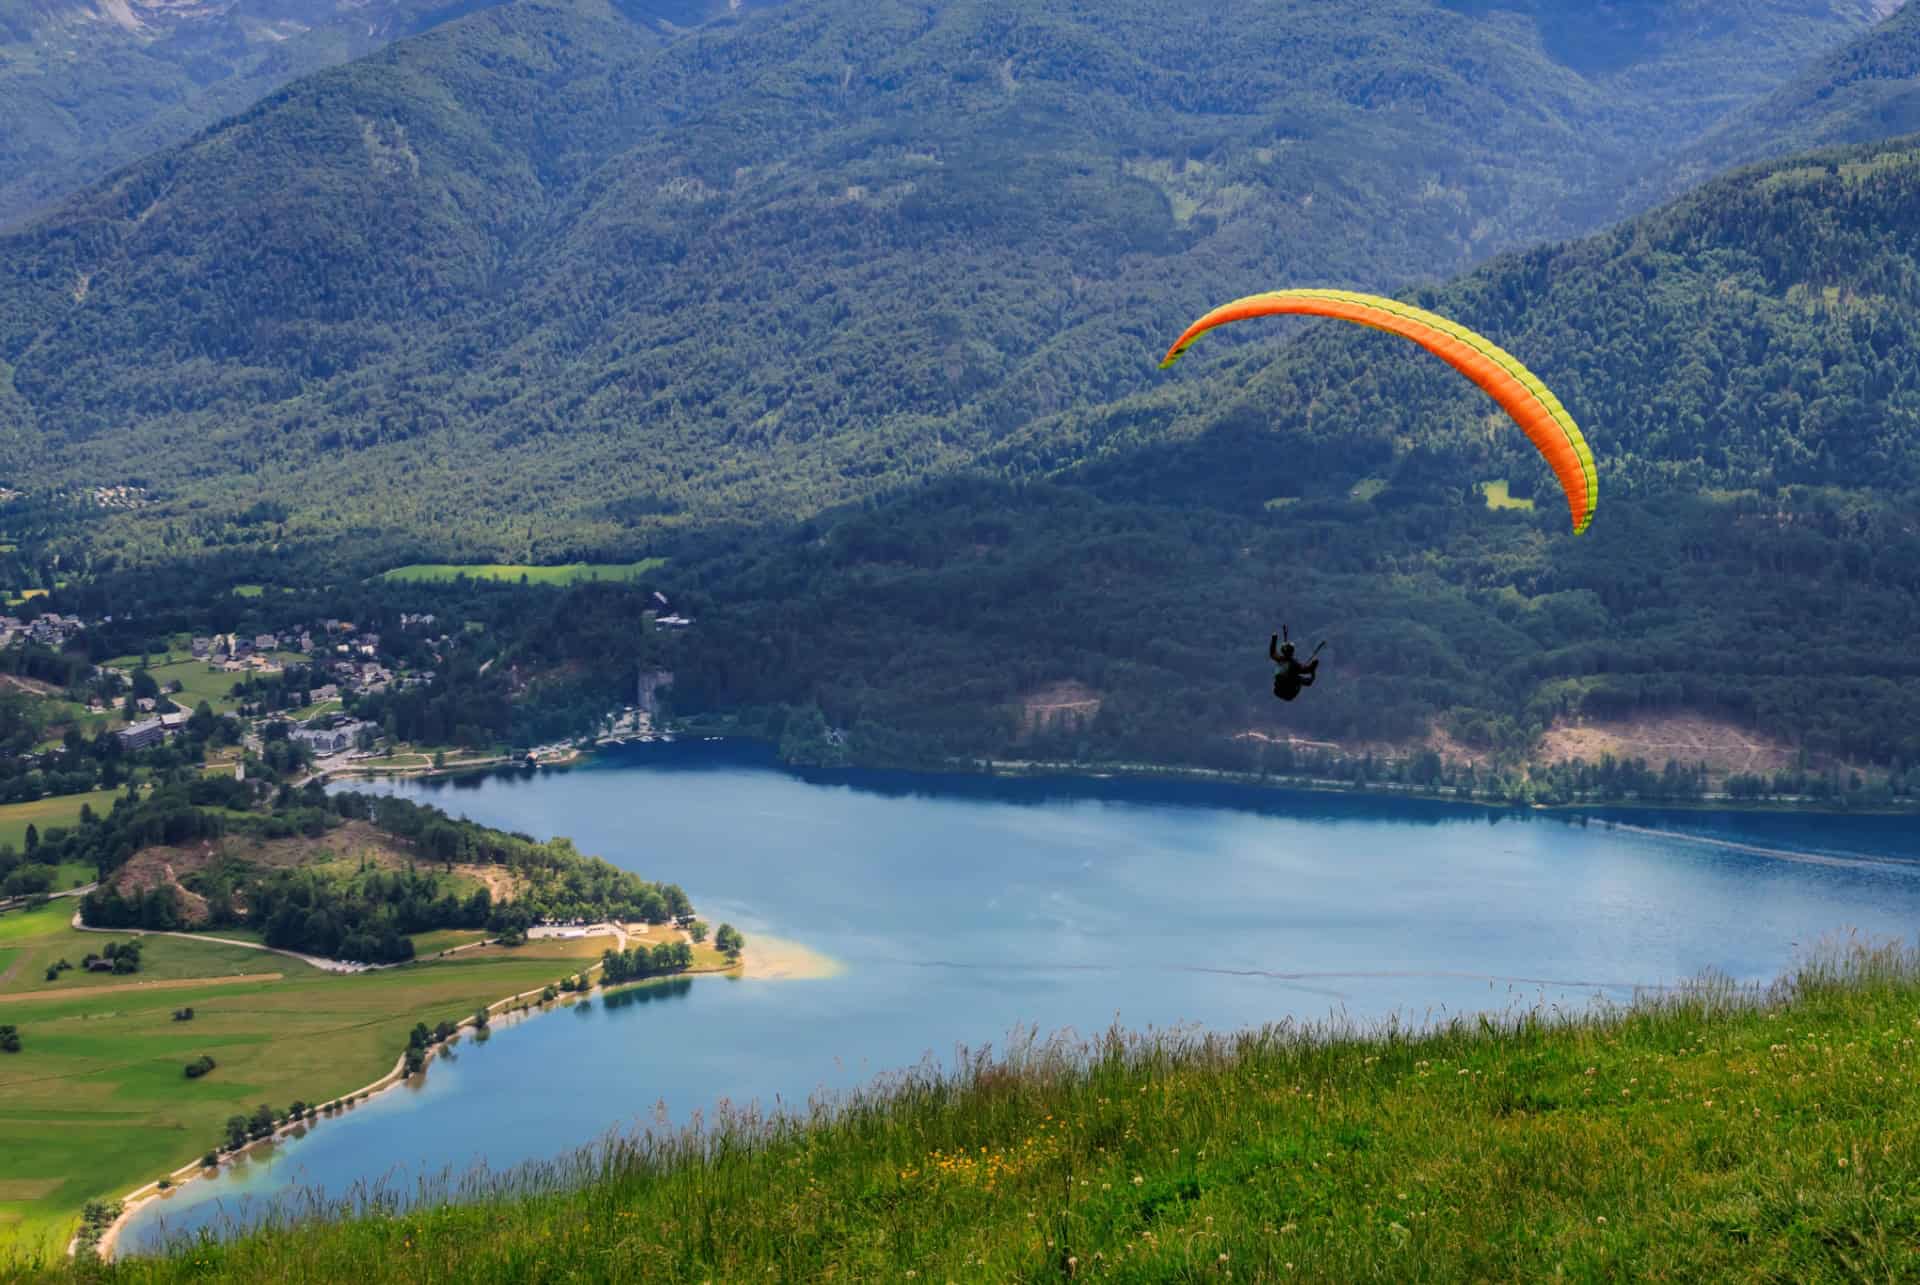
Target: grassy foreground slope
1713	1135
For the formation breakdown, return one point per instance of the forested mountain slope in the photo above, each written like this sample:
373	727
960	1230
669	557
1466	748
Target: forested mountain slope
1759	331
1742	362
535	283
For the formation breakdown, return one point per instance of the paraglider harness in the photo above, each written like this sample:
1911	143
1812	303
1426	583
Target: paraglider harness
1293	675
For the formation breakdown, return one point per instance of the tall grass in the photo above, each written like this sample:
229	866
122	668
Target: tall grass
1710	1132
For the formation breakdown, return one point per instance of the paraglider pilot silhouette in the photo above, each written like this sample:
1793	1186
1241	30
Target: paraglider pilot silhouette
1293	675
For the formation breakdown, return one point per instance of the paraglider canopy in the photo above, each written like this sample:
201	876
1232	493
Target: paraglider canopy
1517	389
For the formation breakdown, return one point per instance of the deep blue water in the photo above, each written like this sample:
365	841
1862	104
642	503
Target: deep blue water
963	908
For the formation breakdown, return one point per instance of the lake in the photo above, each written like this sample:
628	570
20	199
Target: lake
961	909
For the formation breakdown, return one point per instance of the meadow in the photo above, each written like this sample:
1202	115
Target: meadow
198	681
1713	1134
61	809
1499	497
570	573
97	1103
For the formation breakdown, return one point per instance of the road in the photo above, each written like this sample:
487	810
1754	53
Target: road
326	965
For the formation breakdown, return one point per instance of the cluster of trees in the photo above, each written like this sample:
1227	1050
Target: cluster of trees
1613	779
242	1129
636	962
199	1066
556	881
367	916
123	956
424	1038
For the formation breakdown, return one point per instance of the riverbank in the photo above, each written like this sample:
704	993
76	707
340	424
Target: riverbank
783	960
1714	1133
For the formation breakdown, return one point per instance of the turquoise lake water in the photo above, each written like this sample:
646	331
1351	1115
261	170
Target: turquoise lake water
963	909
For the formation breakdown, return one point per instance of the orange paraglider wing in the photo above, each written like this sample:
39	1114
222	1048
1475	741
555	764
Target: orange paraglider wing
1500	374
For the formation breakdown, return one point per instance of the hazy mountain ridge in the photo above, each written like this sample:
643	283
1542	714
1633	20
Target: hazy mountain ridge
1867	89
789	260
95	84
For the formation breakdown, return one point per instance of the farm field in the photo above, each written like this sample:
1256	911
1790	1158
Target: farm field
97	1102
569	573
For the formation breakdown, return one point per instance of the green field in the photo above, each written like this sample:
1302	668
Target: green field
97	1104
425	944
72	874
1497	497
199	683
1711	1136
319	709
568	574
62	809
249	590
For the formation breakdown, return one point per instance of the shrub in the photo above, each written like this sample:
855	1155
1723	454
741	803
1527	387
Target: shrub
9	1039
199	1067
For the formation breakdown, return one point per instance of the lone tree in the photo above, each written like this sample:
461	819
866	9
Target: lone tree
9	1039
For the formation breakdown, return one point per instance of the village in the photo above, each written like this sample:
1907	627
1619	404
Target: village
350	659
307	684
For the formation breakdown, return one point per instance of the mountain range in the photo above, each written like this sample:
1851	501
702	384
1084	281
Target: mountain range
552	279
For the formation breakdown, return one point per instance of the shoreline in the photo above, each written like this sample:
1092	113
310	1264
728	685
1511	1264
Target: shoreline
789	961
971	766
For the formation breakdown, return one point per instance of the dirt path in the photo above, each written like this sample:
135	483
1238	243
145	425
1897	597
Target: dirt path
171	984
